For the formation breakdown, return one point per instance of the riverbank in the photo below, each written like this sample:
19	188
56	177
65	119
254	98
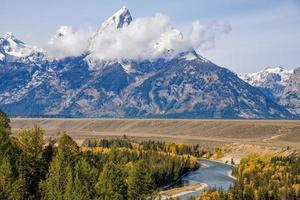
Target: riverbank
221	161
164	188
230	175
210	174
177	192
233	153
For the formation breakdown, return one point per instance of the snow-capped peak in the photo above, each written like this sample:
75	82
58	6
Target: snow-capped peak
9	36
12	48
120	19
192	55
167	42
278	74
273	78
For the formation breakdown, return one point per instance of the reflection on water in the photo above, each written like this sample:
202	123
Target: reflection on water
214	175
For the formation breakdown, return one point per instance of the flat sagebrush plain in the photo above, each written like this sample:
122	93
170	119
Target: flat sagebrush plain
275	133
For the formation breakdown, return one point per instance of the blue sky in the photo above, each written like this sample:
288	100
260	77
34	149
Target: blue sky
264	32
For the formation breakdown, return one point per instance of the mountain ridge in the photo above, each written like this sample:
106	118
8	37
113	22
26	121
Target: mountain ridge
185	85
279	84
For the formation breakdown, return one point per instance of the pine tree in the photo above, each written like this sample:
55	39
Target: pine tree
111	184
31	143
54	187
4	120
141	184
76	189
47	157
6	178
8	163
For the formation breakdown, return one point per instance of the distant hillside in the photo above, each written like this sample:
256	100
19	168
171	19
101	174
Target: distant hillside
279	84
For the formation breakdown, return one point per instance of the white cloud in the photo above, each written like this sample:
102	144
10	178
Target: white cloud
151	37
144	38
138	40
67	42
203	35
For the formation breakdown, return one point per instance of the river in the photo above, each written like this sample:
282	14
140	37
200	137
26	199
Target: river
212	173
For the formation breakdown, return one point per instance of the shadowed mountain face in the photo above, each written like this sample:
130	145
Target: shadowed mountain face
163	88
185	85
291	95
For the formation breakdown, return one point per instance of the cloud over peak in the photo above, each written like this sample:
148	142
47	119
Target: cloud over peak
141	38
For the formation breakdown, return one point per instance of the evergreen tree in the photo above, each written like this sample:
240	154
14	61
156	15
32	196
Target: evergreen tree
111	184
8	163
7	146
81	181
4	120
6	178
75	188
53	188
141	184
30	143
47	157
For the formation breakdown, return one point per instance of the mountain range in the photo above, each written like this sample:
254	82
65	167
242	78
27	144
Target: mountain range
279	84
174	85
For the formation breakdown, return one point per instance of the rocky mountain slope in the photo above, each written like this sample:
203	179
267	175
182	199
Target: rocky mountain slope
279	84
291	94
182	85
271	80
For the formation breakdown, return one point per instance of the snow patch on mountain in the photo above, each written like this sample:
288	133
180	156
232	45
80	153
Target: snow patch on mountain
121	37
128	68
13	49
259	78
2	56
271	80
120	19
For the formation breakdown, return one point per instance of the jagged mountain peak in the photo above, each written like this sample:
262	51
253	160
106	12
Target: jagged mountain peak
10	39
276	69
9	35
267	75
120	19
12	48
271	80
173	84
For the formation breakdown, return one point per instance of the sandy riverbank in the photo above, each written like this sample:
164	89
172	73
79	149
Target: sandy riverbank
176	192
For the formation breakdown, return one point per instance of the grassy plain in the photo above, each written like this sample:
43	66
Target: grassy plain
209	133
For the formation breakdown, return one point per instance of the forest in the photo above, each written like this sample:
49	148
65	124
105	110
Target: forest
276	178
32	168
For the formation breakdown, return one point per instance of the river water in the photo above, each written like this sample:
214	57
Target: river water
212	173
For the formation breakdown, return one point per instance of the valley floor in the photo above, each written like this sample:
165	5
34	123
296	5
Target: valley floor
241	136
